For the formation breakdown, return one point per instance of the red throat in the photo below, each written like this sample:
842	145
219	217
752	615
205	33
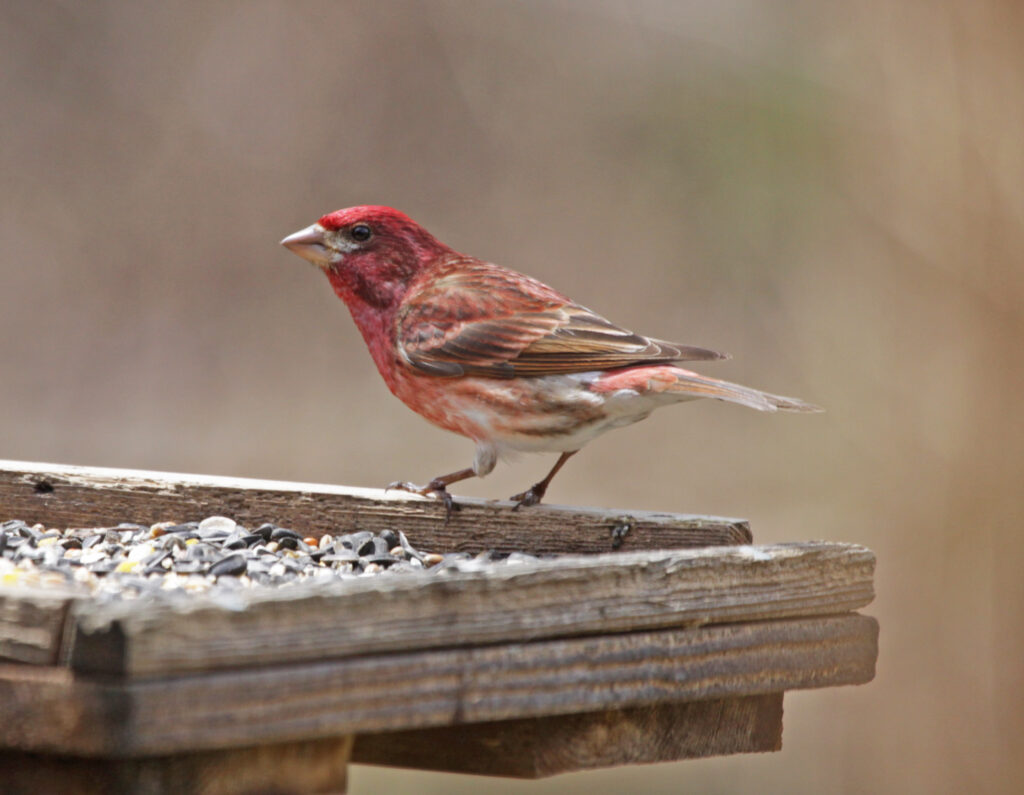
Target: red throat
374	323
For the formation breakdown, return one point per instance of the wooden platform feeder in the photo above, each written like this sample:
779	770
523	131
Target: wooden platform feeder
643	638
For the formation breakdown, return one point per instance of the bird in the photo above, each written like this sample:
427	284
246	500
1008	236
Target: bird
495	355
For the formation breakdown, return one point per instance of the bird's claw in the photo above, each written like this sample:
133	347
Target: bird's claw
405	485
525	499
436	488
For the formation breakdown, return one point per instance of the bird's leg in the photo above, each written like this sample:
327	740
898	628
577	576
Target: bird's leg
535	493
438	487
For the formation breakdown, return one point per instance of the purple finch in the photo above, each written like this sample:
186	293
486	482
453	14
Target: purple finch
494	355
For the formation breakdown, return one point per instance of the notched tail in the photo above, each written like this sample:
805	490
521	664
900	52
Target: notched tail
700	386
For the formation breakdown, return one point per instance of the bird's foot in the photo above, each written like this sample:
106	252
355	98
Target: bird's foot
531	496
436	488
405	485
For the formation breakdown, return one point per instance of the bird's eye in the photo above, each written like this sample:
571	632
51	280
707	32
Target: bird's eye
361	233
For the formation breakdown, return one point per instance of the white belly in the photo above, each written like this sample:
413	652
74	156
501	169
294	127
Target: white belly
564	414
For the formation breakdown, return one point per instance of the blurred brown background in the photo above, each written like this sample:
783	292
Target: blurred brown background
833	192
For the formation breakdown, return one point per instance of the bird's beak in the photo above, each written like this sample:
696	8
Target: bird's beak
309	243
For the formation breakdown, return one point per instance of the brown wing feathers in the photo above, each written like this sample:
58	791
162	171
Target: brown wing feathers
537	331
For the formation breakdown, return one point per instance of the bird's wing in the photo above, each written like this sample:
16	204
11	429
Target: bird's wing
479	319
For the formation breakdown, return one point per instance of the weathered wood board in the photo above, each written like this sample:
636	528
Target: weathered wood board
54	710
71	496
568	596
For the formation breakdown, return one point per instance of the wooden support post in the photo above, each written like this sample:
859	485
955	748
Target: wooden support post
297	768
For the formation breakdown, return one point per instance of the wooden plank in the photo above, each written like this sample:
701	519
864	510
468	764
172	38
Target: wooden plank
69	496
537	747
572	595
53	710
311	766
32	623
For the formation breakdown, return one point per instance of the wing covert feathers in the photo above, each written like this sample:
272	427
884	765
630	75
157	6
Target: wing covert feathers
474	318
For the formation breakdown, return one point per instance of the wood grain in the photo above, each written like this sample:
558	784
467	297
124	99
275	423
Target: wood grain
49	709
32	623
537	747
303	768
571	595
69	496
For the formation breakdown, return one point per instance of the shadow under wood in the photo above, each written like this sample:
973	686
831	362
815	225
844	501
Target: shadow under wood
537	747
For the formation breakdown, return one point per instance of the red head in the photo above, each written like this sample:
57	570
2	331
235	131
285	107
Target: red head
369	253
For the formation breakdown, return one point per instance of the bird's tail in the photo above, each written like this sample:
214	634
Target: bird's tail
700	386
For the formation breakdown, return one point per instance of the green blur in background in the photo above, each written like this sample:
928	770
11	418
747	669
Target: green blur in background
832	192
